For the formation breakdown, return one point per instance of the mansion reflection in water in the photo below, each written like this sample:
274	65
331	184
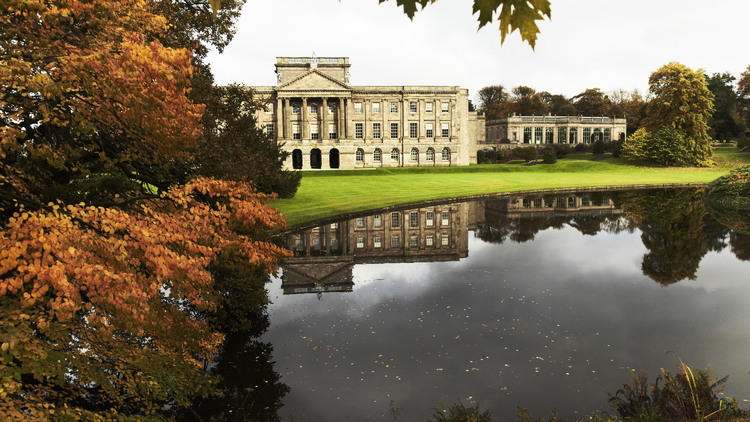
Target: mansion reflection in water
324	256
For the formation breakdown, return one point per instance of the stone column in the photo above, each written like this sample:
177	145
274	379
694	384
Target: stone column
420	129
280	130
349	122
324	129
305	128
451	108
287	119
340	117
367	130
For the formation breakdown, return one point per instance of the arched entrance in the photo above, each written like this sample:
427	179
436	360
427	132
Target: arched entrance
315	160
333	158
297	159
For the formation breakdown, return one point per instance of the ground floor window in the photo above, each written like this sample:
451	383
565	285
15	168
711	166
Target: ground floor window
377	155
573	135
395	219
394	154
587	135
315	158
430	154
607	135
526	135
360	155
562	135
538	135
445	218
414	154
548	135
446	154
333	158
360	242
297	159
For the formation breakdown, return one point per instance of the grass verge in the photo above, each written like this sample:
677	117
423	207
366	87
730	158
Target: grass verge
330	193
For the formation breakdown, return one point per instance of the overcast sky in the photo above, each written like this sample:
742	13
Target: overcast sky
604	44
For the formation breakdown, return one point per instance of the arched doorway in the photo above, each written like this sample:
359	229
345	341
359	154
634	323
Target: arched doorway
333	158
297	159
315	160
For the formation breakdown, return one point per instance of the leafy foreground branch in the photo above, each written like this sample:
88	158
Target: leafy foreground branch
689	395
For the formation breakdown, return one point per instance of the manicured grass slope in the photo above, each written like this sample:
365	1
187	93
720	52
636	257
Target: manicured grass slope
326	194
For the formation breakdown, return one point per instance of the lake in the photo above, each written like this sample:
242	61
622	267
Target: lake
546	301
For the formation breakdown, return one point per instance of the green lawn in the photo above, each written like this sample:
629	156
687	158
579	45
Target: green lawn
329	193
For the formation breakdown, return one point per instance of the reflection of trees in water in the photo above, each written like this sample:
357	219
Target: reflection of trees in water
676	226
676	229
740	244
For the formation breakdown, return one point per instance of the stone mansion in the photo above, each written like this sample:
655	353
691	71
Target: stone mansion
325	123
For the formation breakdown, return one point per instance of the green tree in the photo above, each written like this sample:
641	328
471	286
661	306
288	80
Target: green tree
494	101
592	102
726	122
743	92
558	105
526	101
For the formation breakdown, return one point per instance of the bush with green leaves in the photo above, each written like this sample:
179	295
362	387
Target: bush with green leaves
461	413
598	148
728	199
529	154
549	156
562	150
666	147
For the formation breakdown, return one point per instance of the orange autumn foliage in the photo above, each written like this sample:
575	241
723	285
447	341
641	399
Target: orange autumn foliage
108	305
86	89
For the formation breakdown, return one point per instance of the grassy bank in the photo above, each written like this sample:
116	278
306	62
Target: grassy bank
329	193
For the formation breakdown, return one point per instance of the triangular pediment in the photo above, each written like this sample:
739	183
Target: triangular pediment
314	80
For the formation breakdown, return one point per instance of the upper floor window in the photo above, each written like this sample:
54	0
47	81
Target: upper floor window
375	108
313	108
357	107
332	108
428	107
445	107
295	131
413	130
295	108
428	130
314	131
359	130
412	107
394	130
269	108
446	131
376	130
269	129
394	107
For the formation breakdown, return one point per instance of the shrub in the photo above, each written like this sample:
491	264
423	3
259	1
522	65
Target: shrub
486	156
667	147
550	156
581	148
529	154
462	413
563	150
598	147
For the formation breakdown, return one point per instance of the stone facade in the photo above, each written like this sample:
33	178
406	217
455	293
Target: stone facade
516	130
325	123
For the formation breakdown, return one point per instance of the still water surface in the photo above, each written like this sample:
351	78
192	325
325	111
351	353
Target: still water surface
542	301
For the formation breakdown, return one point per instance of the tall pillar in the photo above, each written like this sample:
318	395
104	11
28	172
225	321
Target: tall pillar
280	130
420	111
287	119
305	128
324	129
349	122
367	130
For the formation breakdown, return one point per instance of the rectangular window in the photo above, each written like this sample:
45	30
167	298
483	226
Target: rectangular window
395	241
587	135
269	129
269	108
413	241
429	240
360	222
359	130
360	242
375	108
562	135
430	218
394	107
445	131
332	108
428	129
607	135
573	135
444	240
334	226
585	202
295	108
395	219
377	221
538	135
428	107
358	108
313	108
413	219
527	135
376	242
376	130
314	131
413	130
394	130
412	107
332	131
445	218
295	131
549	135
526	203
445	107
538	203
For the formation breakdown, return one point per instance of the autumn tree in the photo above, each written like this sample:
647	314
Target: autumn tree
676	123
726	121
558	105
526	101
743	92
494	102
631	105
